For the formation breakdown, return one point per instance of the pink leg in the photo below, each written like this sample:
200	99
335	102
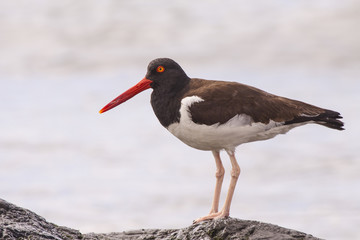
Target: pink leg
225	211
220	171
235	172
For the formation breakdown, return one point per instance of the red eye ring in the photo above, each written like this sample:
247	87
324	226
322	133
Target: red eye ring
160	69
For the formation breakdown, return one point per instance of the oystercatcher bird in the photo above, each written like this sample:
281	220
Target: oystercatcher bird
217	115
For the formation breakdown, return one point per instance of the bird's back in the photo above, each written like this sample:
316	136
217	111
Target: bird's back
224	100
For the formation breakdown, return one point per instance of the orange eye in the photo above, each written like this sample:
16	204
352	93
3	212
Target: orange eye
160	69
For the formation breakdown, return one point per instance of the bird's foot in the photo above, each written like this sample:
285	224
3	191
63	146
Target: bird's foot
221	214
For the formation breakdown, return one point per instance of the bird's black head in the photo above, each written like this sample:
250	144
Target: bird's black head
165	73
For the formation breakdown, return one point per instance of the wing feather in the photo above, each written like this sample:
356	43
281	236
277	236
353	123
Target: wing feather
224	100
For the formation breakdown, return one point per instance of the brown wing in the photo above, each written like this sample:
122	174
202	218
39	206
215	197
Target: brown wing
224	100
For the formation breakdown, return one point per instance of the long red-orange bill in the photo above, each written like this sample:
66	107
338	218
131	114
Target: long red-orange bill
141	86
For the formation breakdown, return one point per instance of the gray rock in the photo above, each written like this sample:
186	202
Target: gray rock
18	223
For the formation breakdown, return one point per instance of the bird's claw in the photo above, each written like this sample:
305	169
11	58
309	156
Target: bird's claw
212	216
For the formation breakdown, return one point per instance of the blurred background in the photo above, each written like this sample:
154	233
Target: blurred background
62	61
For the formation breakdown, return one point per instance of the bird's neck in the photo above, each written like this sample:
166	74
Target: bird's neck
166	102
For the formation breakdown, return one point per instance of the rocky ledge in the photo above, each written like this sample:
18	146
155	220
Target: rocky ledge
19	223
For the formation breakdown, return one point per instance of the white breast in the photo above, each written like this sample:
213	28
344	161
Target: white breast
239	129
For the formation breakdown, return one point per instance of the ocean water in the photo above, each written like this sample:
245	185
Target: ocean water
62	62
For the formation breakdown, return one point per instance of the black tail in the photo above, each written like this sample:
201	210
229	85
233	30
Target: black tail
328	119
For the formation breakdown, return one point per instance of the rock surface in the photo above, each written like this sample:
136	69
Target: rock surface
19	223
